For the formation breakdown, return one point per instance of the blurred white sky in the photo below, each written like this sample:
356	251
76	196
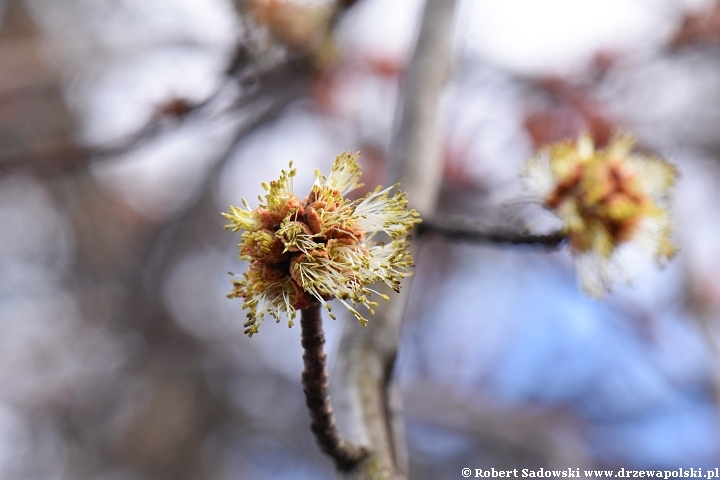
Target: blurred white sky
555	35
529	35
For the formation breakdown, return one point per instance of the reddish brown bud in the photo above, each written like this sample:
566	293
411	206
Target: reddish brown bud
277	251
292	204
338	233
272	273
313	219
269	220
302	299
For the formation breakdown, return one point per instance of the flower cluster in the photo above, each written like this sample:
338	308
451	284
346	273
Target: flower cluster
612	203
322	247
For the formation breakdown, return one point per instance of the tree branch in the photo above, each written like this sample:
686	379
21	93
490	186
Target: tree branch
315	382
371	400
258	89
466	230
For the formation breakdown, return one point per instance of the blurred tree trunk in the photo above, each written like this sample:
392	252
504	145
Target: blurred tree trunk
369	401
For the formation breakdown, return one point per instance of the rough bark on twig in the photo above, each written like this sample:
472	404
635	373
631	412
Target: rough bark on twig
315	385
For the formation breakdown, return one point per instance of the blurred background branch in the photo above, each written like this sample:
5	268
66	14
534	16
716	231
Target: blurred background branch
366	362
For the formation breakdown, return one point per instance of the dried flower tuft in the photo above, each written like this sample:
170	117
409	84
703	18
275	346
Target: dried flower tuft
321	247
612	203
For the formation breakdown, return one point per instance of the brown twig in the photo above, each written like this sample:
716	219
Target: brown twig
315	382
467	230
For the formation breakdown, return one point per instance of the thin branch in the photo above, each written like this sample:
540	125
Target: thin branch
415	152
256	88
315	382
466	230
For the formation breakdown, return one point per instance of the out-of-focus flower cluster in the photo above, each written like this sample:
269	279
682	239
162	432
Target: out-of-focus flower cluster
298	25
321	247
612	203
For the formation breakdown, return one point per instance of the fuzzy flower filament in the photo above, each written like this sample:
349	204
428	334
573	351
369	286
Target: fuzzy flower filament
325	246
